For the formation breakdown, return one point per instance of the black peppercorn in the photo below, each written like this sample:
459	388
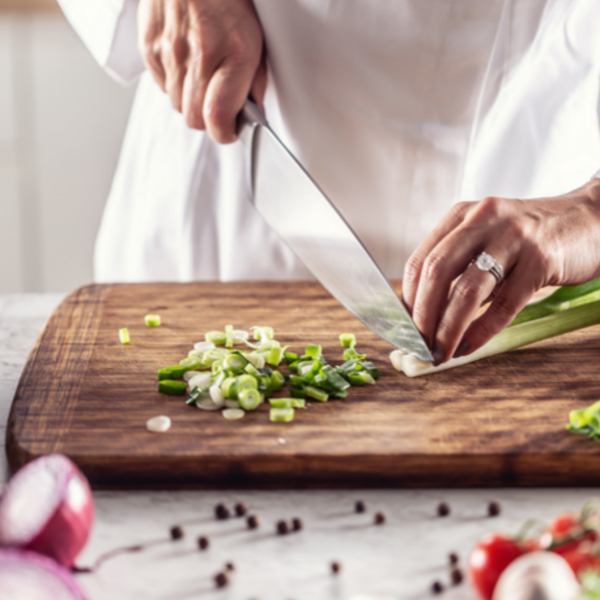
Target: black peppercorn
176	532
221	512
456	575
336	567
379	518
229	567
203	542
453	558
282	527
252	522
359	506
443	510
437	587
296	524
221	579
240	509
493	509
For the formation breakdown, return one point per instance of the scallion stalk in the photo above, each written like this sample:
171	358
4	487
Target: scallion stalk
510	338
124	335
281	415
347	340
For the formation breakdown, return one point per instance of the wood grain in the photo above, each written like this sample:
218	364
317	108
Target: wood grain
497	422
28	5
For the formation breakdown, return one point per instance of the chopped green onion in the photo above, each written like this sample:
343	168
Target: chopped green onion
352	354
298	402
313	351
361	378
228	388
249	398
290	357
281	415
245	382
370	368
275	356
347	340
281	402
232	414
294	365
316	393
334	379
586	421
124	335
251	369
297	391
194	395
191	363
228	336
235	361
258	360
152	320
262	333
216	337
277	380
172	372
172	388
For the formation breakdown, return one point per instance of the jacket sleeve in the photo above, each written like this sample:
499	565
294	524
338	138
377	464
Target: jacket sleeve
109	30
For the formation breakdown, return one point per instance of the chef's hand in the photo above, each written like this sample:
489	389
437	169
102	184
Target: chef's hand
548	241
208	55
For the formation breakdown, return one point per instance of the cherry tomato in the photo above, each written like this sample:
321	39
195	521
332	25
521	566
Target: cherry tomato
565	526
489	558
581	560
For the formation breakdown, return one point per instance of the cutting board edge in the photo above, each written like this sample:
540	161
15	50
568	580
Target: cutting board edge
17	455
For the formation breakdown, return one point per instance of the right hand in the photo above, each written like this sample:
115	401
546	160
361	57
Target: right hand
207	55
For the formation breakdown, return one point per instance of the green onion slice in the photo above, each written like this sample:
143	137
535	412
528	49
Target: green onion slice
347	340
172	372
124	335
316	393
152	320
172	388
249	398
232	414
281	415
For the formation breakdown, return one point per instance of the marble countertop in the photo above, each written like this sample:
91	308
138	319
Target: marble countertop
397	560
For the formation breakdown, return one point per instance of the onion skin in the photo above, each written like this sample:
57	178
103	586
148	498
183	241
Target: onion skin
67	529
537	576
27	562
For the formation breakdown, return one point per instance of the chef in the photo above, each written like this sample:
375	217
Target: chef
427	122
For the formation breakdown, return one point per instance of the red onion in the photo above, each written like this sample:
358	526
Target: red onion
25	574
47	507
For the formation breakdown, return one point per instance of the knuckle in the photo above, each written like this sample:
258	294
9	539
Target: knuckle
433	266
503	309
467	290
412	269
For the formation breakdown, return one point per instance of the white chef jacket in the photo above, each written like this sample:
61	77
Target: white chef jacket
397	109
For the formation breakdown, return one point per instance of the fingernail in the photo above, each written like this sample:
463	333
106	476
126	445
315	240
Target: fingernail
438	355
462	348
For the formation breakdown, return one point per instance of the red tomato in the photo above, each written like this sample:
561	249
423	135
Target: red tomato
565	526
489	558
580	561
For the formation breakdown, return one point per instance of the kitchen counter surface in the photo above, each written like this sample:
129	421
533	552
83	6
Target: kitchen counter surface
399	559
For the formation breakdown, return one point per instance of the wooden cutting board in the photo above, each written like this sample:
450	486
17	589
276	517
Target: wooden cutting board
497	422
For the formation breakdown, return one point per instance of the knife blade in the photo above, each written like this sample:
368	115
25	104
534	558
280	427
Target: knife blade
297	209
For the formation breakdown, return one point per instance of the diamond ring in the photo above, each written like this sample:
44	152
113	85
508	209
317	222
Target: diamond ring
488	263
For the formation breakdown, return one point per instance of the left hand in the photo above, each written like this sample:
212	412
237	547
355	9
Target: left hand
541	242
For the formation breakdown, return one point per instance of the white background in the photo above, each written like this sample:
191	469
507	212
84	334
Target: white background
62	120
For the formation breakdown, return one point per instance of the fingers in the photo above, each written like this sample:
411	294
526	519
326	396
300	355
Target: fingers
471	291
510	299
174	51
207	56
415	264
150	28
227	91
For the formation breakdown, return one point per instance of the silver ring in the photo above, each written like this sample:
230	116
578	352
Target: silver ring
486	262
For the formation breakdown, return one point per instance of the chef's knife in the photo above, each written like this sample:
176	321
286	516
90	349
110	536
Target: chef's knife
296	208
